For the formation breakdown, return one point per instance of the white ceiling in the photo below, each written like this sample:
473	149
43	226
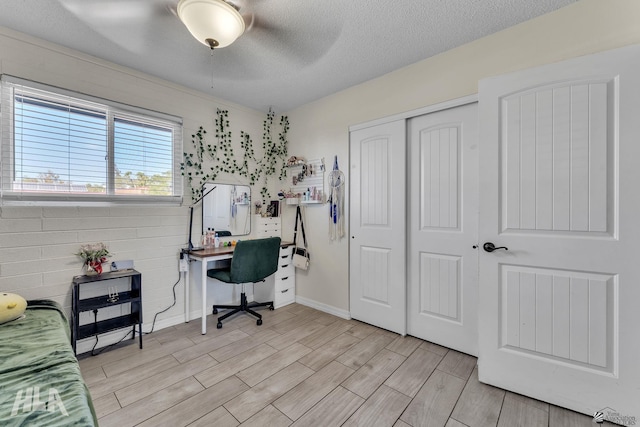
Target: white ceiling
297	50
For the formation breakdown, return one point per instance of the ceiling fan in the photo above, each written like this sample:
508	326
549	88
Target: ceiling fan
126	20
266	32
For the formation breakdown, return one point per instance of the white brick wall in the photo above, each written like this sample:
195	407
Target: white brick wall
37	253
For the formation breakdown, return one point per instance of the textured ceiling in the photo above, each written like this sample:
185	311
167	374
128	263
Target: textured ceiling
296	51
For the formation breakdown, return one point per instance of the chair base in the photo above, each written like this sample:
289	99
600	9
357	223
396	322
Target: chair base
244	306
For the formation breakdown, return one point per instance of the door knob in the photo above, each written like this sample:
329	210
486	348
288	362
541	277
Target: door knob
490	247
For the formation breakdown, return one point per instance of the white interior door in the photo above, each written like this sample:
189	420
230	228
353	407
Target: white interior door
559	157
443	228
377	260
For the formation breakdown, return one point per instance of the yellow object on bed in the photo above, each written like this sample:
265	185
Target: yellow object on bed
11	306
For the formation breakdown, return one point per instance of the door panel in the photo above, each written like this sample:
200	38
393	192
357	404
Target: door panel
377	223
555	147
535	318
442	295
558	310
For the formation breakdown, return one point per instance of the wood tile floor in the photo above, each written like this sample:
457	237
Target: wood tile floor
302	367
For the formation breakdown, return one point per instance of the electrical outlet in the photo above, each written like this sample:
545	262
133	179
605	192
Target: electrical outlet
184	265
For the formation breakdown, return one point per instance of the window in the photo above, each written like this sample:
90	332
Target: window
58	145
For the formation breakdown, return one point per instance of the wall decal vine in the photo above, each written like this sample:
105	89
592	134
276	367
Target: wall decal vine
208	161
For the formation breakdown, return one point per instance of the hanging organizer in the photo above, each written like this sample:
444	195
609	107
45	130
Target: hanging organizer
308	175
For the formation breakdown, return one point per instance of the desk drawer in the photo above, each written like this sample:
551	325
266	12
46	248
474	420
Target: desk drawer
266	220
272	226
268	224
285	291
286	256
285	261
263	234
285	282
284	297
286	251
284	272
219	264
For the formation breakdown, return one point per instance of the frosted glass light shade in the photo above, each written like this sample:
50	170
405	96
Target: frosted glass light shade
211	19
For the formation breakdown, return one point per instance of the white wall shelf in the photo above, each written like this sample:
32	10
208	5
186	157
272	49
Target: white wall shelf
307	176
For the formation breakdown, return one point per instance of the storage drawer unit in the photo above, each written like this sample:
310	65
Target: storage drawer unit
283	291
268	227
285	279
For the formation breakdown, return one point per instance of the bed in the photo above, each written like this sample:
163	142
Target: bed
40	380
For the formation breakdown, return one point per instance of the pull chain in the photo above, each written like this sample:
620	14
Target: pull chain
212	43
211	67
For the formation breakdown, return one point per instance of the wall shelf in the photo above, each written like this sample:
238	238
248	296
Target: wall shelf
132	297
308	175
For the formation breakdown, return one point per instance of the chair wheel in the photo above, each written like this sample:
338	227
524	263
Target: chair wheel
219	325
271	307
215	310
259	322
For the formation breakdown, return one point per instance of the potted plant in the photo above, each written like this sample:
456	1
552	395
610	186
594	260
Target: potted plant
93	256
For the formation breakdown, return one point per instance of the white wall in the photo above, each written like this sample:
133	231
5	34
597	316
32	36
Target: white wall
37	243
320	129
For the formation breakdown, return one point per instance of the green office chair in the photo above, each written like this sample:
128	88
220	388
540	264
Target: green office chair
253	261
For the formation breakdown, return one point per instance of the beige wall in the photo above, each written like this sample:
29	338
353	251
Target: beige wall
320	129
37	243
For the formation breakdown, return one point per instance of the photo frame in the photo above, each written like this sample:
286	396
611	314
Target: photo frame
273	208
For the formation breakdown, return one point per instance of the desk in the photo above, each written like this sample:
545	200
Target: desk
206	256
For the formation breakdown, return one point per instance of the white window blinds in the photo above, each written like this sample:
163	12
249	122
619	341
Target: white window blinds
57	146
142	156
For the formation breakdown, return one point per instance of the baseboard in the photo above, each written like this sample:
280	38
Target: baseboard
167	322
323	307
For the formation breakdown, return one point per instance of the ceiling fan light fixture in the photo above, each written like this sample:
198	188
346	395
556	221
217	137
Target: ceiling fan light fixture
214	23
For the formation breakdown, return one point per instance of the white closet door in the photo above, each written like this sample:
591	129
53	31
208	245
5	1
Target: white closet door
377	225
559	157
443	228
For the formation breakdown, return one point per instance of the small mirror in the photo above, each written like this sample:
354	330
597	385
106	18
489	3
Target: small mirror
226	209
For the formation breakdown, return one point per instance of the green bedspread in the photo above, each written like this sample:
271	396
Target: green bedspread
40	381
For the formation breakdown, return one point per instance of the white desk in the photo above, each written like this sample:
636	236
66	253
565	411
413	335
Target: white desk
202	258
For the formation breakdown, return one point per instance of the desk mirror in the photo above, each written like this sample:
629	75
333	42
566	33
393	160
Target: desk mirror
226	209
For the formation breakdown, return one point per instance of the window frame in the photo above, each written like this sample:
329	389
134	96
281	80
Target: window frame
114	111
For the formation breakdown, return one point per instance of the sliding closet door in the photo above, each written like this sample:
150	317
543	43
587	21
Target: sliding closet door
443	228
559	310
377	225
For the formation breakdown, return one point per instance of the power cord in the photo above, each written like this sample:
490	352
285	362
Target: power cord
93	350
153	324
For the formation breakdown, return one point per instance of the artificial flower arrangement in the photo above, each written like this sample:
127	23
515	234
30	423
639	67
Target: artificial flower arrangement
94	255
258	205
